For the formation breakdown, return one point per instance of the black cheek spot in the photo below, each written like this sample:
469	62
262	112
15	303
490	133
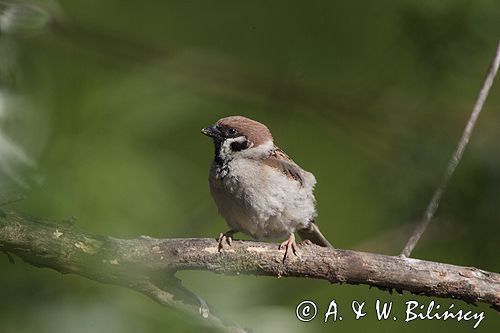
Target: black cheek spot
238	146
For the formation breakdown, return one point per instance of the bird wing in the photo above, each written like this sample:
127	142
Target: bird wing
282	162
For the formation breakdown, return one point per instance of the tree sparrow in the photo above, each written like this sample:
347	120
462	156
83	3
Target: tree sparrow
257	188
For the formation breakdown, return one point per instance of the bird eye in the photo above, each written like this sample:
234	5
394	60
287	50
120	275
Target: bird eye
231	131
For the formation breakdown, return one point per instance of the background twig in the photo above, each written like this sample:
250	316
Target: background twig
455	159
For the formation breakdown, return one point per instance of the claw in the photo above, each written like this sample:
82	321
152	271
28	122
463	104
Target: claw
287	245
226	237
307	242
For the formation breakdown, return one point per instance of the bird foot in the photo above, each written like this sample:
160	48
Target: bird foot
289	246
306	242
226	237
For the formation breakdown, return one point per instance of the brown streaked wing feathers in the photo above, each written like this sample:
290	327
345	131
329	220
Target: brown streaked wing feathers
280	161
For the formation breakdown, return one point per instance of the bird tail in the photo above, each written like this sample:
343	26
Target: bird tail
313	234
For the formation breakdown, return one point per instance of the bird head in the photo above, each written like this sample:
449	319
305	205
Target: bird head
238	136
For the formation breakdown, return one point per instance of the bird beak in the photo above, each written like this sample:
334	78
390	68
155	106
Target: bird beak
210	131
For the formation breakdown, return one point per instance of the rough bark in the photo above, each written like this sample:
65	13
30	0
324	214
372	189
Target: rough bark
148	265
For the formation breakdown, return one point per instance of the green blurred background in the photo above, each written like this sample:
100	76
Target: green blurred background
101	106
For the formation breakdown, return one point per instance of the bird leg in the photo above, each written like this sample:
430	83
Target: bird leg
287	245
226	237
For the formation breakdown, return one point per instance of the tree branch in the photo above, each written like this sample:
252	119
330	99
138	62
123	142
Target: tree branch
148	265
135	264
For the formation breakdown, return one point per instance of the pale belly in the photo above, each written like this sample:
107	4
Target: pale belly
262	203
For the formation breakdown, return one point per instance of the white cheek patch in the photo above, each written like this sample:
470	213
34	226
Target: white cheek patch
226	150
260	151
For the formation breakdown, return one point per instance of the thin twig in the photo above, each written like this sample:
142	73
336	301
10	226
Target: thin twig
172	294
11	201
455	159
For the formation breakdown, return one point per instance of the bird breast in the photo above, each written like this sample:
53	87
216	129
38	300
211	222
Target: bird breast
261	201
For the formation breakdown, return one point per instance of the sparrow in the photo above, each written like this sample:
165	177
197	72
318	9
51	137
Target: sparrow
258	189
